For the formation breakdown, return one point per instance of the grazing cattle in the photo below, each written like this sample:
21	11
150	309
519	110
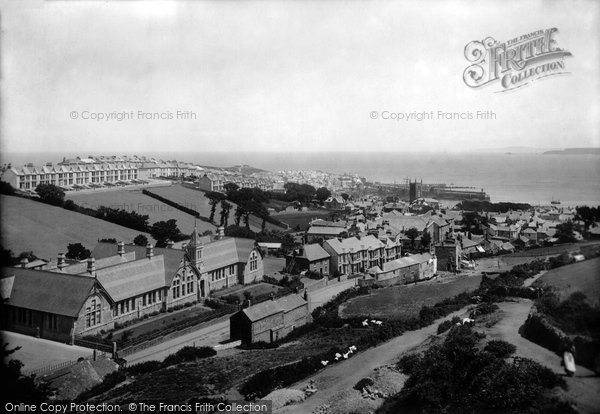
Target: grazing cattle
338	356
467	320
378	323
346	355
373	321
324	363
353	348
365	323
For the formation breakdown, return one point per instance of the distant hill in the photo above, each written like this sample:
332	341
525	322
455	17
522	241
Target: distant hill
241	169
574	151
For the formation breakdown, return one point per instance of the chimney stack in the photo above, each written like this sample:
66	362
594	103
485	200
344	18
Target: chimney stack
24	262
220	232
91	265
60	261
120	248
149	251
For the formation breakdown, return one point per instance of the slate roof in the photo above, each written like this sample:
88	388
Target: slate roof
130	279
50	292
313	252
78	268
272	307
226	252
354	244
331	231
172	257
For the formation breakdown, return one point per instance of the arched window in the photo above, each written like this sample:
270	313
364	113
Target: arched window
93	313
253	261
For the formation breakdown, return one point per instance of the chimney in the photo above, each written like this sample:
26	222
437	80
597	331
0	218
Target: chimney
24	262
91	265
170	244
149	251
220	232
60	261
120	248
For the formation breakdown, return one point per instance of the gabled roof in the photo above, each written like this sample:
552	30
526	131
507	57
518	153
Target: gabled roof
314	252
272	307
50	292
78	268
225	252
172	257
331	231
354	244
130	279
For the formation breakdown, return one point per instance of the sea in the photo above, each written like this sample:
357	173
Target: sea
533	178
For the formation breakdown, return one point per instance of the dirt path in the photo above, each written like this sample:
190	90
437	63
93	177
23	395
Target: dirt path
584	388
343	376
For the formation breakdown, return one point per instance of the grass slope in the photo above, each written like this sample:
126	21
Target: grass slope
47	230
582	276
134	200
405	301
196	200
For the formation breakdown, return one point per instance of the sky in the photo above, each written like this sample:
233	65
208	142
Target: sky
285	76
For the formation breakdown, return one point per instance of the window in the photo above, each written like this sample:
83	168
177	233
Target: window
190	284
93	313
176	290
253	261
52	321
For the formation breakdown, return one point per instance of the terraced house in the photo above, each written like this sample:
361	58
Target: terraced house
354	255
69	176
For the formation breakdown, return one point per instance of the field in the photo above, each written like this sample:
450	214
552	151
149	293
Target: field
46	230
583	276
301	218
134	200
196	200
397	302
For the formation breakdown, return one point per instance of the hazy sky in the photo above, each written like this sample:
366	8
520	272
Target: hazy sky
279	76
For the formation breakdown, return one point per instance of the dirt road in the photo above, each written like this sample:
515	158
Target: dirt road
584	388
343	376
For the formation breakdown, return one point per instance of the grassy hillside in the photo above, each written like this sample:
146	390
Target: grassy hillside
47	230
582	276
196	200
405	301
134	200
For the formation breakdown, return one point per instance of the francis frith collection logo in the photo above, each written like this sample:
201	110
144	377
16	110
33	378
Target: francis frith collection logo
516	62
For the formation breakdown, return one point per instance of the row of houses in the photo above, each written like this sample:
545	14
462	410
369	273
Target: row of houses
216	182
121	282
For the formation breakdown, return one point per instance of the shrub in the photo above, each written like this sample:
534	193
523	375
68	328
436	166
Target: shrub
363	383
109	382
500	349
408	363
447	324
144	367
189	353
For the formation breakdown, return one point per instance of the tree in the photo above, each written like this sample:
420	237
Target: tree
412	234
163	231
247	219
239	212
51	194
140	240
16	387
213	199
564	232
588	215
345	196
231	189
77	251
323	194
109	240
225	208
236	231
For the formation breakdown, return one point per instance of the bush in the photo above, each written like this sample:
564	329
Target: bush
189	353
447	324
109	382
363	383
408	363
500	349
144	367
